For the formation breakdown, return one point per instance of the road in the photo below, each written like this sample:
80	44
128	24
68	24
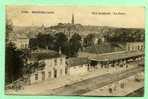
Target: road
90	84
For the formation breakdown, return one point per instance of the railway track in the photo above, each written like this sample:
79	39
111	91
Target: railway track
90	84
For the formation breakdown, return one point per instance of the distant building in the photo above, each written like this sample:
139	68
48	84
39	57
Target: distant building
72	27
21	43
135	46
67	28
50	65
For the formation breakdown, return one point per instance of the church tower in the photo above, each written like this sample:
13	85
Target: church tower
72	20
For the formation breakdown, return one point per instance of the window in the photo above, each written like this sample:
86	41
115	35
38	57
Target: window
43	75
61	72
66	70
55	73
61	60
49	74
36	76
55	61
142	47
138	47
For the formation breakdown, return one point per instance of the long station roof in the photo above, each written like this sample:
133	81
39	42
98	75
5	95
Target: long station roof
117	56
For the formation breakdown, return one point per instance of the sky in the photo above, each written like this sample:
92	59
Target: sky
128	17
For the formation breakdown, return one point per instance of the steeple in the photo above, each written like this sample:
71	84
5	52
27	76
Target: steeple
72	20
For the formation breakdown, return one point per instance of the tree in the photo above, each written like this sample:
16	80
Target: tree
44	40
15	59
66	49
33	43
9	28
60	41
125	35
60	38
75	44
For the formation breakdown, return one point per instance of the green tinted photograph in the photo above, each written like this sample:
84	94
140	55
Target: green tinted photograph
74	50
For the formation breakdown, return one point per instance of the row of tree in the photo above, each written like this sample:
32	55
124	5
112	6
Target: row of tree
118	35
57	42
125	35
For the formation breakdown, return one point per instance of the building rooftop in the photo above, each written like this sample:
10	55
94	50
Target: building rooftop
116	56
77	61
44	54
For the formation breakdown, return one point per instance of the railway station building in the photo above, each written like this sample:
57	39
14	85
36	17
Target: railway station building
116	59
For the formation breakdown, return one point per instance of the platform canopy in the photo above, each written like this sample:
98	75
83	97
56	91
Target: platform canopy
117	56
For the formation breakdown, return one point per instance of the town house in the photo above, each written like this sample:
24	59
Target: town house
47	65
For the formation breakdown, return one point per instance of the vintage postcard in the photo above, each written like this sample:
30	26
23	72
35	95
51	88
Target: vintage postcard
74	51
